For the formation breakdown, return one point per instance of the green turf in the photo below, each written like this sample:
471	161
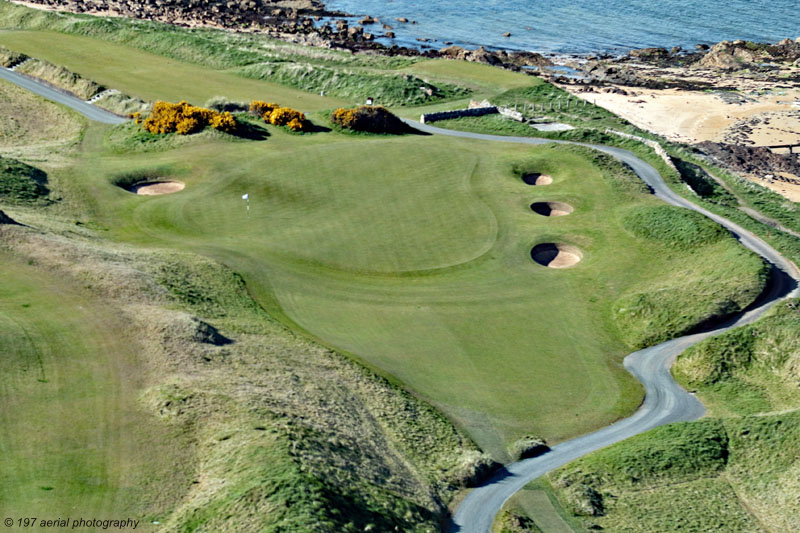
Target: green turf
74	441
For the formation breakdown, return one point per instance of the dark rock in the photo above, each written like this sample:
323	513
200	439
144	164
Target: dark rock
758	160
649	53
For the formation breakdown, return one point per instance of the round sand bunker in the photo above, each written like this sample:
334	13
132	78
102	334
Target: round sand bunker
551	209
155	188
556	255
537	179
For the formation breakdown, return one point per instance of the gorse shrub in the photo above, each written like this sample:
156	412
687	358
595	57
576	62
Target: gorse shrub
280	116
184	119
261	108
373	119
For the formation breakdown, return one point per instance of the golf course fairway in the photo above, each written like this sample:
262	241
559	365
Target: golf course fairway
413	254
75	441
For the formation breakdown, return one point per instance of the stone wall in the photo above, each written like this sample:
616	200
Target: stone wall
458	113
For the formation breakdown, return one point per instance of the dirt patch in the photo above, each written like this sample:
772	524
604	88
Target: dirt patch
551	209
537	179
155	188
556	255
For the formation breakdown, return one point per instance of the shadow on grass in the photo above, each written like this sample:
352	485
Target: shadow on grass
250	130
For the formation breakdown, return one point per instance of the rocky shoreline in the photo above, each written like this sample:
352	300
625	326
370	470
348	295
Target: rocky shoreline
305	22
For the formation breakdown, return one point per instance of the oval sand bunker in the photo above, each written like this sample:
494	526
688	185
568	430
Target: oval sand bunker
155	188
551	209
556	255
537	179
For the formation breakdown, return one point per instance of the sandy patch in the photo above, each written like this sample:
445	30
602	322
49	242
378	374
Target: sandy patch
551	209
556	255
693	117
155	188
789	190
537	179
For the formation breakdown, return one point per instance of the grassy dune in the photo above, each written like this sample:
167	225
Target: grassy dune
737	474
753	369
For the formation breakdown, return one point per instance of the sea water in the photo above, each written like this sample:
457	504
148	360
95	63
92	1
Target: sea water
577	26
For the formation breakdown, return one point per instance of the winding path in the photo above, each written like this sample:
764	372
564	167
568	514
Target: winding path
665	401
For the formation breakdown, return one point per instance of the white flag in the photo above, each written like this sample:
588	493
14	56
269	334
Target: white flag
246	196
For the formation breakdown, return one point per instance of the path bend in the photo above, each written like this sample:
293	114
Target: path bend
665	401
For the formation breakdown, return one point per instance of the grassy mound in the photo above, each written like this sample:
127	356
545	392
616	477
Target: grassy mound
656	311
61	77
5	219
723	475
10	57
21	183
388	89
674	226
751	369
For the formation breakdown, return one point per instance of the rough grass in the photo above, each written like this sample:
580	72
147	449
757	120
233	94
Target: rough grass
752	369
122	104
674	226
61	77
32	126
355	86
10	57
732	475
21	183
657	310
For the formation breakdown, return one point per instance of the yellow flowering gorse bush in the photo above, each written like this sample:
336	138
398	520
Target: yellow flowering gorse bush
280	116
183	118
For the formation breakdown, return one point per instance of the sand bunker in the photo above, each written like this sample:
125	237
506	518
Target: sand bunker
556	255
154	188
551	209
537	179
